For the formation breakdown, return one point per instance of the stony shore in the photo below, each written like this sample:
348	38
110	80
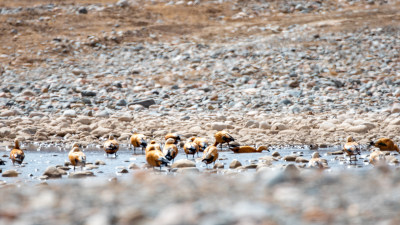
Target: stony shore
267	197
274	73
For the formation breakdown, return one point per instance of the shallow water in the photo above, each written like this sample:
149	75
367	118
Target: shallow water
37	159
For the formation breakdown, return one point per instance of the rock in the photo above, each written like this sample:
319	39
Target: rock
99	162
82	10
219	165
121	102
396	108
88	93
188	170
395	121
391	159
81	174
5	132
123	170
301	160
2	162
7	113
52	172
251	166
358	129
145	103
28	93
70	113
278	127
103	114
10	173
327	126
101	131
290	158
265	125
133	166
182	163
275	154
84	120
235	164
91	167
340	152
218	126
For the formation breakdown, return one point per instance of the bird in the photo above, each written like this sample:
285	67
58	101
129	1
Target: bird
191	147
17	155
111	146
77	157
236	148
152	146
385	144
201	142
174	136
352	148
222	137
170	150
156	158
138	140
210	155
315	161
376	157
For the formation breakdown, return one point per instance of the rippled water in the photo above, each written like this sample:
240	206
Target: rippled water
37	159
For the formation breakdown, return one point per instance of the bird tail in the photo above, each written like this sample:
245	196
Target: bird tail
163	161
168	155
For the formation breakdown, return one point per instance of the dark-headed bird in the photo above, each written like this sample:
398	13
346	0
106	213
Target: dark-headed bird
201	142
191	148
222	137
385	144
210	155
152	146
174	136
170	150
156	158
17	155
236	148
138	140
77	157
111	146
352	149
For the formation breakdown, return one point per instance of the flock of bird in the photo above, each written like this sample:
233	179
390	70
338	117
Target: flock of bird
157	156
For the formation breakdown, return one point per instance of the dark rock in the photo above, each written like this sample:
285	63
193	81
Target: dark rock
88	93
145	103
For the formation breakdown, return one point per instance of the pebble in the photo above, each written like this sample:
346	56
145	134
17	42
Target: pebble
235	164
9	173
182	163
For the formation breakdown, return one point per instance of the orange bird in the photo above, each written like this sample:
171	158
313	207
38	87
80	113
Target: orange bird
352	148
174	136
77	157
111	146
201	142
376	156
385	144
210	155
170	150
191	147
236	148
17	155
138	140
156	158
153	146
222	137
